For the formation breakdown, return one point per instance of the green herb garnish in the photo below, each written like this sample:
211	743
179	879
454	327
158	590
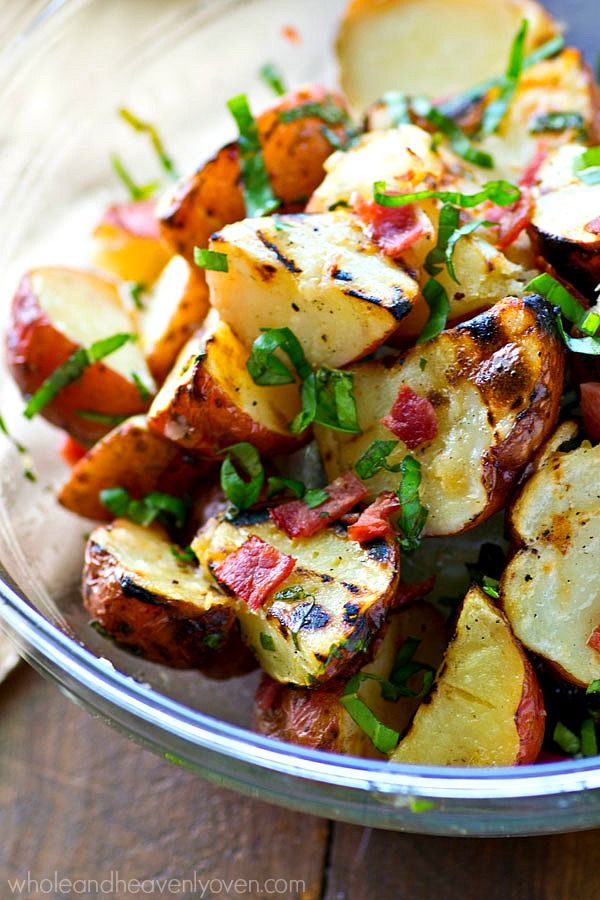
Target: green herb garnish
398	108
375	458
211	259
556	121
266	641
292	593
186	555
143	127
413	515
383	738
497	109
589	739
315	497
500	192
587	166
328	112
271	77
242	492
439	306
461	232
73	369
21	450
258	194
119	502
490	587
586	321
328	399
566	739
593	687
266	368
101	418
136	191
135	289
145	394
277	483
459	141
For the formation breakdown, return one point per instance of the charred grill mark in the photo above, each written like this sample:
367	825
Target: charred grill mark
545	314
351	613
484	329
248	518
352	588
285	261
340	274
308	616
398	305
137	592
378	550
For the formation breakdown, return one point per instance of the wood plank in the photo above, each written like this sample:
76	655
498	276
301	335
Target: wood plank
366	863
78	798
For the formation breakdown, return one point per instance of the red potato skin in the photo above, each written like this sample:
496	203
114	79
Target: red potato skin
35	349
308	718
530	717
128	241
294	153
136	218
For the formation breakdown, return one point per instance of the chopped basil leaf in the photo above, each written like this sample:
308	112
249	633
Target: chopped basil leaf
566	739
587	166
383	738
589	740
490	587
272	78
171	506
556	121
16	444
73	369
142	390
266	641
555	293
546	51
147	128
500	192
101	418
339	204
214	641
593	687
258	194
413	515
267	369
448	223
459	141
241	492
328	399
374	459
422	364
116	500
590	346
186	555
119	502
136	191
397	106
497	109
21	450
315	497
278	483
464	230
135	289
337	142
405	667
211	259
590	323
328	112
293	592
439	306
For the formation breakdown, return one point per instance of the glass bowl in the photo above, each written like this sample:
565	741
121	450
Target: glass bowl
176	63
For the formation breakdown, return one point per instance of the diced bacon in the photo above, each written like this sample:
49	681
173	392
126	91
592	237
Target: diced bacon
530	172
299	520
412	418
72	451
593	227
374	522
594	639
254	571
590	408
409	593
267	693
393	229
512	220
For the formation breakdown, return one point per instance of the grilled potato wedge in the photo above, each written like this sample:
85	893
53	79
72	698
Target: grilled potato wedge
317	718
564	206
495	383
55	312
486	706
294	153
127	242
210	402
173	310
318	275
344	591
550	590
133	457
166	610
387	44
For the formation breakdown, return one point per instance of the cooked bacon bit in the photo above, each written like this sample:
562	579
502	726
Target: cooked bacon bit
593	227
267	693
254	571
590	408
411	418
512	220
530	172
291	34
137	217
299	520
394	230
374	522
594	639
409	593
72	451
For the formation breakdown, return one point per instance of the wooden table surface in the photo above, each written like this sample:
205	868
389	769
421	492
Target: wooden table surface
79	800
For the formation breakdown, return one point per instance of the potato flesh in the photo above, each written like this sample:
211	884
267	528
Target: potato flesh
551	588
164	304
563	214
389	45
85	308
344	580
470	717
318	275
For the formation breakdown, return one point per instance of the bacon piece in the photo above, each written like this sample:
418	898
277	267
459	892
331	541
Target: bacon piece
411	418
254	571
393	229
594	639
530	172
72	451
512	220
590	407
374	522
593	227
409	593
299	520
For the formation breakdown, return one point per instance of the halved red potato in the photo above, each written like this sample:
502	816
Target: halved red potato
173	310
493	385
127	242
316	718
135	458
486	707
294	153
210	402
563	220
322	620
319	275
550	590
389	44
55	312
151	602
